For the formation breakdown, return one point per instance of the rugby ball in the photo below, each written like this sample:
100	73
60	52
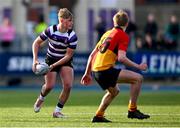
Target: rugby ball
42	69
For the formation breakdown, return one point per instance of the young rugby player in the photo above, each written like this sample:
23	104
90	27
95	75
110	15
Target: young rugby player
62	42
112	47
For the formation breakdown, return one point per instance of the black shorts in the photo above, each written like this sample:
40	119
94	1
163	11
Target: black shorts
50	60
107	78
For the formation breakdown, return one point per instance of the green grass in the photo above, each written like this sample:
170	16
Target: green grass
16	109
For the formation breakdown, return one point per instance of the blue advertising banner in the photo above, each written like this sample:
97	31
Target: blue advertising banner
21	64
160	63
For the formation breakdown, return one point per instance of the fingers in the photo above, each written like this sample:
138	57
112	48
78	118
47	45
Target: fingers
34	66
86	79
82	82
85	82
143	66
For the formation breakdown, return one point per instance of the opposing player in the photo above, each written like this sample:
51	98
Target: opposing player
62	42
112	47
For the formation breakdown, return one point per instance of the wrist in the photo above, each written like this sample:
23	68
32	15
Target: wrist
52	65
138	66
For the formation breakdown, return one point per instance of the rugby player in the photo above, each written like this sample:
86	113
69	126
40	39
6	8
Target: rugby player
112	47
62	42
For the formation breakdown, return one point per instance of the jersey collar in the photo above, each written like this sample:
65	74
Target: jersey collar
118	27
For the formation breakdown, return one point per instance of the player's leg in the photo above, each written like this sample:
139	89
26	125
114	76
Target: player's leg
50	80
67	78
135	79
107	80
111	93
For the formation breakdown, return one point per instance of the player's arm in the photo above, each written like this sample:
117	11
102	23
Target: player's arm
35	48
126	61
86	79
69	54
39	41
89	63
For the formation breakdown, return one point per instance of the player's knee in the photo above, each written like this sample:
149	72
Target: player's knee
67	86
115	93
140	78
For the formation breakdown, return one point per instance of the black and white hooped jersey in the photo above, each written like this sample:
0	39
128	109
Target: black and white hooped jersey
58	42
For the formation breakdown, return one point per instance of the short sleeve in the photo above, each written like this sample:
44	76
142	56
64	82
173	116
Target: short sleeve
44	35
73	40
123	43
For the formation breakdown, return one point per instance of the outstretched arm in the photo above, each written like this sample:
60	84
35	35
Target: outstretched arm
87	78
124	60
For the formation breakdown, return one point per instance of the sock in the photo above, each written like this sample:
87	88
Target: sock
42	94
59	107
99	113
41	97
132	107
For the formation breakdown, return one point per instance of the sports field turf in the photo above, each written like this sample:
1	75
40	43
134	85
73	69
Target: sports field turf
16	109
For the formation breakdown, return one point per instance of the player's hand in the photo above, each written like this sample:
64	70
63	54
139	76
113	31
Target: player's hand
143	66
51	67
86	79
34	65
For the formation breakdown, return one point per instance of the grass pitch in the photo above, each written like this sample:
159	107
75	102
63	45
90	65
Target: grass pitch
16	109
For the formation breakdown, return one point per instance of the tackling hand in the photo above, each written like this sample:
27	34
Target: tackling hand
86	79
143	66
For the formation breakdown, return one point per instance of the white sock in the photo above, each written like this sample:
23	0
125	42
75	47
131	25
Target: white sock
41	97
57	109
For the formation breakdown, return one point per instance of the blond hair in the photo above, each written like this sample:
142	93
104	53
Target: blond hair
65	13
121	18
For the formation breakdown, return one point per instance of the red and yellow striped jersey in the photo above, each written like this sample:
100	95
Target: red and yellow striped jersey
108	46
